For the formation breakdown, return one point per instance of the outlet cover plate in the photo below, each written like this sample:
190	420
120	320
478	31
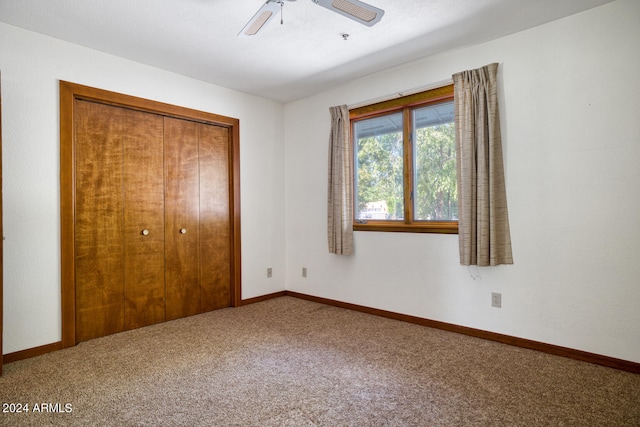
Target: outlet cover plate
496	299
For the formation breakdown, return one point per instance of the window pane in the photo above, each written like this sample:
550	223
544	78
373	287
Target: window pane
379	167
435	195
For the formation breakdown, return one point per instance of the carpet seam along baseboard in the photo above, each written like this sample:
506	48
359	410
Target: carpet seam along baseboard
584	356
598	359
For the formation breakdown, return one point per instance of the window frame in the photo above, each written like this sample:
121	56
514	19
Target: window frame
405	104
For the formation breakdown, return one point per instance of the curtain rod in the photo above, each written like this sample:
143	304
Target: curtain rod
401	94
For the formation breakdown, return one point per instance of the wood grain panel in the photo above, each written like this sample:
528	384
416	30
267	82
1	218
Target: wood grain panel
99	224
181	212
143	210
215	219
72	94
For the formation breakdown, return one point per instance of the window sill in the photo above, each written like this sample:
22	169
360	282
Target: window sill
436	227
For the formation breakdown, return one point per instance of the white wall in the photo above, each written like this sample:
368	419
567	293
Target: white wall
31	67
570	101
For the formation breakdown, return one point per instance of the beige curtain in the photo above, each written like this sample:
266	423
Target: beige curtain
483	220
340	189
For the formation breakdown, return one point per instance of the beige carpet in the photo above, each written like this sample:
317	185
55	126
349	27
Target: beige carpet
289	362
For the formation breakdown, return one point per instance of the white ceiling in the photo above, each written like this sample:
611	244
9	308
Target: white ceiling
306	55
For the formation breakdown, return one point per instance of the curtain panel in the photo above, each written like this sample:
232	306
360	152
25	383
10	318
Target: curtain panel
340	188
483	219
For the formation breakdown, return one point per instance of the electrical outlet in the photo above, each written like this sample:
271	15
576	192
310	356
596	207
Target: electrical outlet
496	299
304	271
269	272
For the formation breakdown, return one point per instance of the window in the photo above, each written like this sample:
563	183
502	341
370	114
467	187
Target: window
405	164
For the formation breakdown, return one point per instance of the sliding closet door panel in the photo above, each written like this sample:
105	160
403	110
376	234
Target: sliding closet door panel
215	236
98	221
143	219
181	218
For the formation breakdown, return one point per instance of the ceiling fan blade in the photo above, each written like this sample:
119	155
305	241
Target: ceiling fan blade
354	9
261	18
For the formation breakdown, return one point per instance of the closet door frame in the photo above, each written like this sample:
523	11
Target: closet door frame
69	93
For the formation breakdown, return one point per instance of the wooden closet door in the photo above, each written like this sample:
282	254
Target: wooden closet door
143	166
215	217
99	261
181	218
113	274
